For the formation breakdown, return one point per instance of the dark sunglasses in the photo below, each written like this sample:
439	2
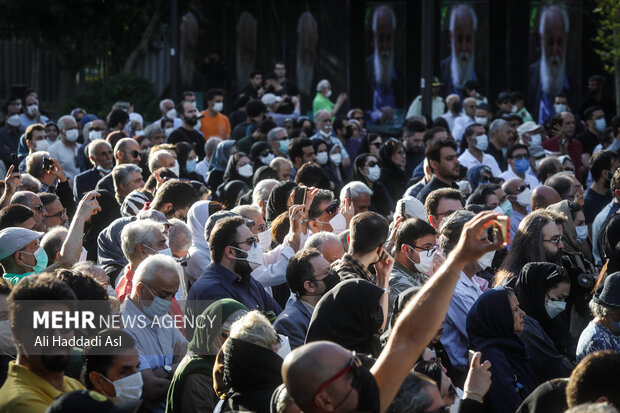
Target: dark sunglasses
522	188
134	153
376	144
332	208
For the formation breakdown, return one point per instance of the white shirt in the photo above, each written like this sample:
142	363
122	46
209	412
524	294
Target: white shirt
450	118
66	156
415	108
530	179
460	124
469	160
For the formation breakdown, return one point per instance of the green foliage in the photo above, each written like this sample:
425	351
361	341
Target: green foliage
608	34
98	97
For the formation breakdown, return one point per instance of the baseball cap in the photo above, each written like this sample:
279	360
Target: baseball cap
269	99
92	402
537	151
14	239
527	127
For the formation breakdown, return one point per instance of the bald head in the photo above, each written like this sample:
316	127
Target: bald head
511	185
309	366
543	196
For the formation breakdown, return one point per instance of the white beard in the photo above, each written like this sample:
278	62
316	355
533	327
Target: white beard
552	73
384	67
305	74
461	71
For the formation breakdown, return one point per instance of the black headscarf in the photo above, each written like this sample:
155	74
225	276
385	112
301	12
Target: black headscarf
609	243
392	176
255	151
231	173
348	315
252	373
530	288
278	199
229	193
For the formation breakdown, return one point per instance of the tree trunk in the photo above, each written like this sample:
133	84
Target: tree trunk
144	40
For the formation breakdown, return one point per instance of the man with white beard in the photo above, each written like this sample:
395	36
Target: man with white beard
547	76
458	68
307	39
383	91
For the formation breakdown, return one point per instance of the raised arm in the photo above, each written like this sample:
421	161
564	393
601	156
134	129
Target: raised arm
423	316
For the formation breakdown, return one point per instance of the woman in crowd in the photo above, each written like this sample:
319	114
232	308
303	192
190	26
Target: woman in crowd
279	199
219	162
187	158
371	144
230	193
393	158
191	389
350	314
261	154
239	168
199	256
325	158
368	171
542	289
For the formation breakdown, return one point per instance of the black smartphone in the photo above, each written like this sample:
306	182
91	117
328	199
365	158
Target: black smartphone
15	162
402	208
349	193
47	164
300	196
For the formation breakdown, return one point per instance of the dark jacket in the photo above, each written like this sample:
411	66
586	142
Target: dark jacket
293	322
86	181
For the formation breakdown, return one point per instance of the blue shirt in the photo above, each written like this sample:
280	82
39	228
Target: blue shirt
596	337
217	283
600	219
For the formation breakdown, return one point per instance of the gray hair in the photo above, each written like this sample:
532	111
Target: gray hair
602	311
34	163
121	174
243	210
319	239
154	162
255	328
322	85
357	188
451	228
143	231
453	14
413	396
262	191
602	407
93	144
545	14
273	134
375	16
30	180
211	144
63	120
497	125
52	241
180	236
321	113
23	198
161	103
152	129
151	266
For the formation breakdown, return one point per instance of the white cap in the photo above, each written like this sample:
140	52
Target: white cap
413	207
527	127
269	99
14	239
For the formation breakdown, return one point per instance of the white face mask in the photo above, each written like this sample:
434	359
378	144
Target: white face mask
426	262
218	106
7	344
255	256
13	120
175	168
72	135
169	131
481	120
128	388
93	135
171	114
246	170
139	132
524	198
336	158
486	260
266	160
582	232
338	223
560	107
514	108
264	239
32	109
329	93
536	140
321	158
41	145
374	173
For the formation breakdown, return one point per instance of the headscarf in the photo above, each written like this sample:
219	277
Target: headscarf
256	149
278	199
196	218
473	175
531	287
232	174
220	311
229	193
219	160
348	315
609	243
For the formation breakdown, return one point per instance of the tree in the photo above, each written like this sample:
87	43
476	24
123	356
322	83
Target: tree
608	36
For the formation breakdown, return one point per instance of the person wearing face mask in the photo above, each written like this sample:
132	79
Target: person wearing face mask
100	154
310	277
324	127
92	129
116	375
36	140
519	194
477	144
187	160
518	157
214	122
595	119
413	256
235	253
321	100
31	113
187	132
160	348
368	171
542	289
603	333
65	149
11	130
325	215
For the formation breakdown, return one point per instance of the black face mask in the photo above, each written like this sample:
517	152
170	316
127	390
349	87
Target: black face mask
331	281
456	107
367	390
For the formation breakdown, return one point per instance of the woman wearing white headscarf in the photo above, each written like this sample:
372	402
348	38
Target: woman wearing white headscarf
199	255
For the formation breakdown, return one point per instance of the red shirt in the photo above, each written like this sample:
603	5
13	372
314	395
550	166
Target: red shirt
574	150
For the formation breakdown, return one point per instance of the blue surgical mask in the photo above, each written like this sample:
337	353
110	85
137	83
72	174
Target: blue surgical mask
506	206
521	165
554	308
158	308
582	232
600	124
190	166
284	146
102	169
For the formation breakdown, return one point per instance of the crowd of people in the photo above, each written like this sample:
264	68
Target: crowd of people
469	263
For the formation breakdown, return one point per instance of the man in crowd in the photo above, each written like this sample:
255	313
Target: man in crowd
321	100
440	204
187	132
519	195
36	140
564	142
255	110
467	118
603	164
56	213
65	148
16	215
359	194
609	209
595	119
453	103
543	196
283	168
477	143
254	88
100	155
309	276
166	107
52	178
519	165
499	139
443	160
596	97
300	152
324	126
12	129
213	121
33	202
31	113
328	244
126	151
413	140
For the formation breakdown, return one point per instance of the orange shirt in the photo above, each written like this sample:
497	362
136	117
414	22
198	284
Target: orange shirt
217	125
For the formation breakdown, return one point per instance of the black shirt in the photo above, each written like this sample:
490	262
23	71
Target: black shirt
594	203
588	141
432	185
413	160
194	137
499	157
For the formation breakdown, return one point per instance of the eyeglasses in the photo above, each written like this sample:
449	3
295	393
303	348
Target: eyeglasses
522	188
429	251
133	153
263	227
39	207
331	209
447	213
252	241
58	214
521	156
353	364
554	240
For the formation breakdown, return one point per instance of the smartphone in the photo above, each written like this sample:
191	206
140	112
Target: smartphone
501	225
349	193
300	196
402	208
471	354
47	164
15	162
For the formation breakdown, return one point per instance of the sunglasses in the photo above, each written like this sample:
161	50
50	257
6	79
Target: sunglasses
521	156
250	241
134	153
523	188
376	144
332	208
352	365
